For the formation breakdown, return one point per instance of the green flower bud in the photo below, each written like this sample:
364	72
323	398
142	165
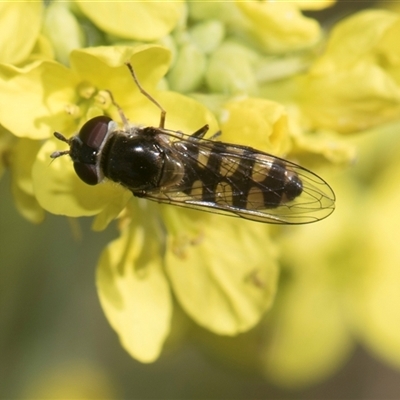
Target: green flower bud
230	69
188	71
208	35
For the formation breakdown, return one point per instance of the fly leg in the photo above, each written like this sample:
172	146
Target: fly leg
122	115
199	134
148	95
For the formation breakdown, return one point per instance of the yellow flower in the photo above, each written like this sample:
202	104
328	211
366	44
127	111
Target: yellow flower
356	83
132	284
17	37
279	26
372	292
224	282
20	43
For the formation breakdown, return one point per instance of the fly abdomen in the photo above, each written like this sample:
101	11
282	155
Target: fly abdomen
276	184
241	178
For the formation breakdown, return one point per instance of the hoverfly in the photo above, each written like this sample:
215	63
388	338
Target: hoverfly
188	170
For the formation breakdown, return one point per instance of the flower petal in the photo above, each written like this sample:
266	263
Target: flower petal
62	29
352	100
314	5
134	291
134	20
104	67
7	141
59	190
374	290
307	336
42	90
183	113
349	88
17	37
23	157
259	123
355	39
223	277
279	26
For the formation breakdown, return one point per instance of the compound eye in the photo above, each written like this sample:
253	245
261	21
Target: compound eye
94	131
87	172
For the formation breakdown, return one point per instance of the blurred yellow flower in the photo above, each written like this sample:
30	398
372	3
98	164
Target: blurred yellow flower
22	157
74	379
261	122
6	142
355	83
276	27
137	20
17	37
62	29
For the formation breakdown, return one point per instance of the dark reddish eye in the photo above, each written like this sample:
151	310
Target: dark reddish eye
94	131
87	172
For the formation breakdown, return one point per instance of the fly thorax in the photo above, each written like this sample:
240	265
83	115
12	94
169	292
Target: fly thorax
135	162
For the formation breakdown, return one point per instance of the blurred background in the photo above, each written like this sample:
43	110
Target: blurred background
55	341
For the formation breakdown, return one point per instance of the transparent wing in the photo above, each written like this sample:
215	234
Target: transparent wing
240	181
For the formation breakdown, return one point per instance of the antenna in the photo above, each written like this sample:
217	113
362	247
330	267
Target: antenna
148	95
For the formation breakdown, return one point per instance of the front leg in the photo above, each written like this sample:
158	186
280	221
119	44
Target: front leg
199	134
